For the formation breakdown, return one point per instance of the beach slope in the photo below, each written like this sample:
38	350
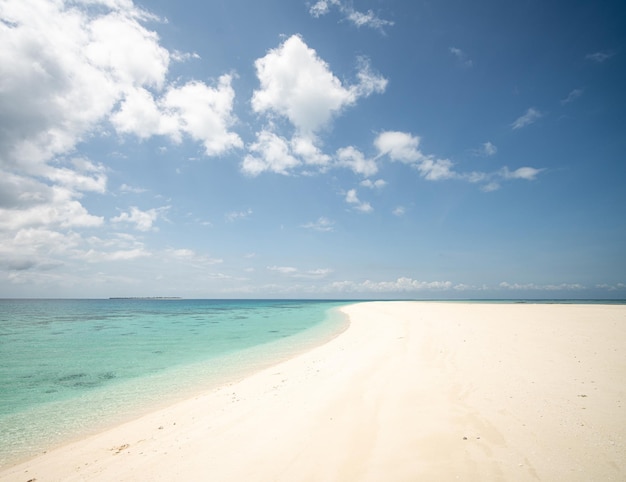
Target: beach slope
410	391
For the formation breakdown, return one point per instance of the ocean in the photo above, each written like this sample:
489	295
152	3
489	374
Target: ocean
69	368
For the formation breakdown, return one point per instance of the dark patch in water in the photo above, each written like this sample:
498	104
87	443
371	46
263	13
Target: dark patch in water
107	376
274	331
73	376
157	352
51	390
86	384
130	333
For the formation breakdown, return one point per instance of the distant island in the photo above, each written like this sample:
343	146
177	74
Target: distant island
145	298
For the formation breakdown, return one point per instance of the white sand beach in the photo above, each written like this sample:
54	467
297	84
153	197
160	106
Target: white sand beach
410	391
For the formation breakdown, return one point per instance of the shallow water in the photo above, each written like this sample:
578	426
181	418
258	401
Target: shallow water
71	367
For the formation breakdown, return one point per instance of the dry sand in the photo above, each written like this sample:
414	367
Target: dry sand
411	391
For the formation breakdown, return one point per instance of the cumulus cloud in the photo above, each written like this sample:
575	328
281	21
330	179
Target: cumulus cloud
353	199
143	220
530	117
270	152
528	173
357	18
125	188
283	269
322	224
355	160
296	273
78	68
296	84
399	211
402	284
72	69
540	287
405	147
69	68
50	206
377	184
195	109
305	148
118	247
487	149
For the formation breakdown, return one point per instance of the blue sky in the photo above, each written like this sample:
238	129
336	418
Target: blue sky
317	149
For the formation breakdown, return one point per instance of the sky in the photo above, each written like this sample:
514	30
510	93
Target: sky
313	149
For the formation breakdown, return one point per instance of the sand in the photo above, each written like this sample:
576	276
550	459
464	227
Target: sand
410	391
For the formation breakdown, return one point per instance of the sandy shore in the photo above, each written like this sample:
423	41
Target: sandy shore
411	391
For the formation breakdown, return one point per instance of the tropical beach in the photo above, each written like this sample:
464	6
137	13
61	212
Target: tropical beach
410	391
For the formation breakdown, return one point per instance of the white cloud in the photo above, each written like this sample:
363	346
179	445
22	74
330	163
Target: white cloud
530	117
296	273
378	184
46	206
195	109
233	216
273	154
143	220
399	146
70	65
612	287
287	270
600	57
93	256
436	169
461	57
189	255
399	211
205	113
367	19
403	147
305	148
322	224
35	248
402	284
359	19
488	149
322	7
545	287
528	173
572	96
490	187
72	70
84	176
318	273
131	189
298	85
178	56
355	160
352	198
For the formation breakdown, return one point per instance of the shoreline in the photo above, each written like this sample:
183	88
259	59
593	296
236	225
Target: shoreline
409	390
133	398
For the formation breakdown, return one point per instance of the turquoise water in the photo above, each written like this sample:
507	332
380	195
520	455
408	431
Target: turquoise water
71	367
